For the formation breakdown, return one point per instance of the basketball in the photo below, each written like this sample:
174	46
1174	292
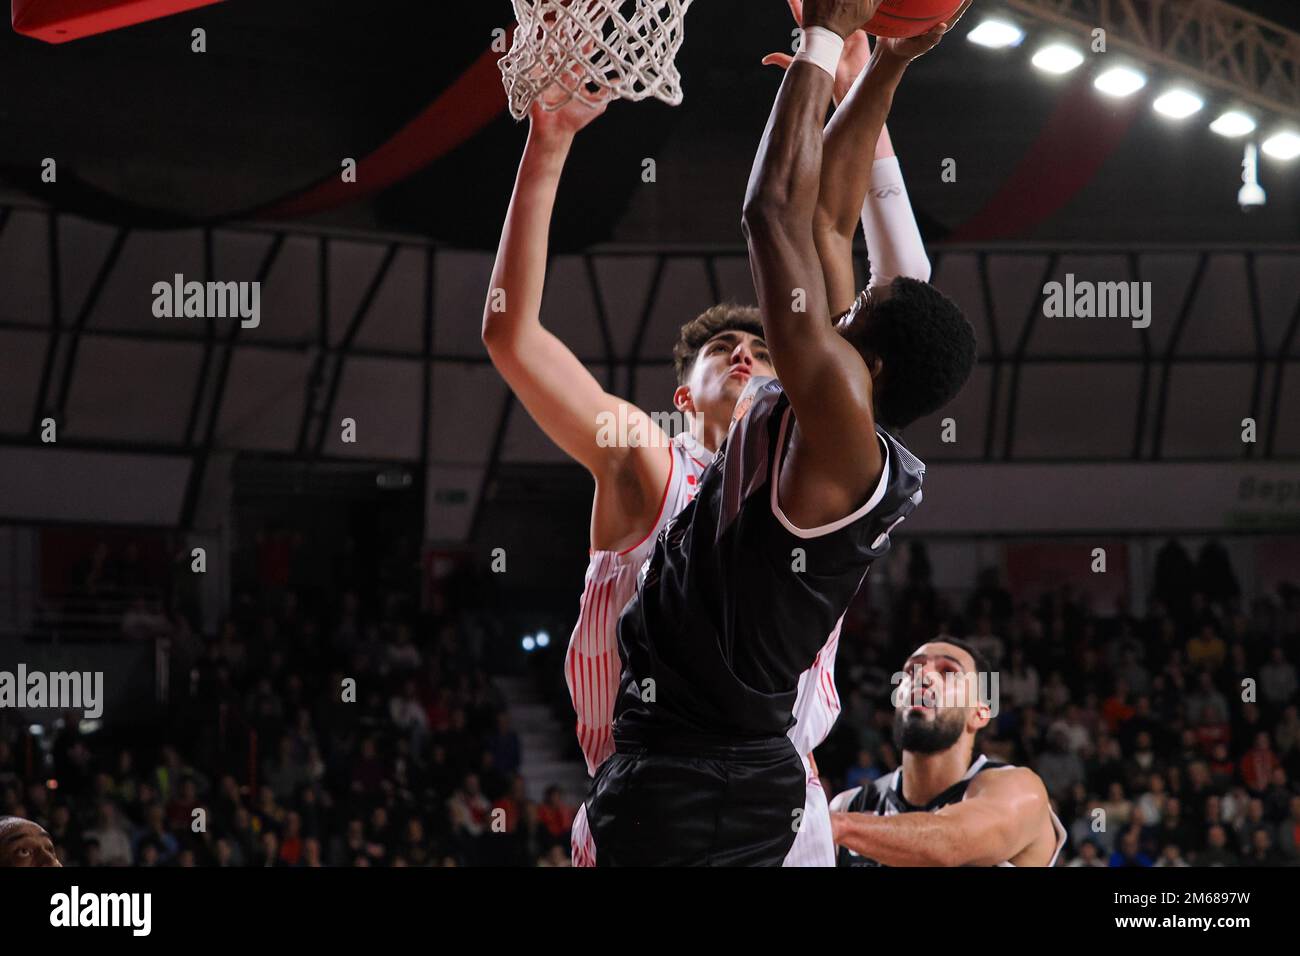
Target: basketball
910	18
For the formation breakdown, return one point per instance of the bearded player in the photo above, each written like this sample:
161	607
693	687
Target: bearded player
945	806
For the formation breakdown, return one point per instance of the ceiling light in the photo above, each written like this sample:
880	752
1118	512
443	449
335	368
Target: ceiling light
1233	123
1284	145
1120	81
996	34
1058	58
1179	104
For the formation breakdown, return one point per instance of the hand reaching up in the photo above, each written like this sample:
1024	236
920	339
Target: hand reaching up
857	51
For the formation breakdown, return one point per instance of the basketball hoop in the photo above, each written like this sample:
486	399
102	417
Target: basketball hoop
588	49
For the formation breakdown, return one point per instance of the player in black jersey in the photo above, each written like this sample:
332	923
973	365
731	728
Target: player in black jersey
746	582
945	806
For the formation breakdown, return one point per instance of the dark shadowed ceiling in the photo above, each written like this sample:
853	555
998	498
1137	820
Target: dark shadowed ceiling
145	131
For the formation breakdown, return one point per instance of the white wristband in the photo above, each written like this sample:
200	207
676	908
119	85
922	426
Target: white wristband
821	47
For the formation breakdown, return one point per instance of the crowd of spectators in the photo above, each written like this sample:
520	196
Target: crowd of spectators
1166	739
328	730
351	728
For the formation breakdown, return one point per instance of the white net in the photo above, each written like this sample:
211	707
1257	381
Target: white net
588	49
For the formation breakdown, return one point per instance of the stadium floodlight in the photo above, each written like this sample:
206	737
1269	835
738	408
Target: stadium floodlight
1234	124
1120	81
996	34
543	638
528	642
1179	103
1284	145
1058	58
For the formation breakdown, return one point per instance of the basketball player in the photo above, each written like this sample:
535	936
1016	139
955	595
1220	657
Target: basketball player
941	807
523	351
24	843
744	584
639	484
896	249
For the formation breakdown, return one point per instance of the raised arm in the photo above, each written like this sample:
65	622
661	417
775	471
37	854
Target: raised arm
838	458
893	239
1003	813
558	391
854	133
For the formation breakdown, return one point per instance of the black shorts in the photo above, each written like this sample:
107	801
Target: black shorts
697	806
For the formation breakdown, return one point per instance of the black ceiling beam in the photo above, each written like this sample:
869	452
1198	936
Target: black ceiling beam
345	344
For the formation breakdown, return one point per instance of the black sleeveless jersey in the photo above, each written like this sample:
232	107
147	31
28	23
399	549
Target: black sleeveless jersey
884	798
735	602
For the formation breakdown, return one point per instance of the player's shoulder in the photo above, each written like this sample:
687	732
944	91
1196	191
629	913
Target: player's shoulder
1003	779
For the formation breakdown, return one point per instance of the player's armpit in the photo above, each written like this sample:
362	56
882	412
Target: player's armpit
630	498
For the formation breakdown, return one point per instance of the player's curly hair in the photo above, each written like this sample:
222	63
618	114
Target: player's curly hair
926	348
720	318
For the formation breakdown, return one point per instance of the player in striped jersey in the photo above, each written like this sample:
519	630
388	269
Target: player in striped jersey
944	806
643	478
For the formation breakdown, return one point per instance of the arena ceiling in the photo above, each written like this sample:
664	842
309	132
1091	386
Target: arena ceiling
148	133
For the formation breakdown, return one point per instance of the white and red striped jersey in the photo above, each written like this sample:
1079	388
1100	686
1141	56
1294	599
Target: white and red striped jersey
818	705
815	711
592	666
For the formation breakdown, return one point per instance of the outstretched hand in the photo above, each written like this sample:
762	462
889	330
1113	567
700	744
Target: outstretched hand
909	48
569	119
574	113
857	52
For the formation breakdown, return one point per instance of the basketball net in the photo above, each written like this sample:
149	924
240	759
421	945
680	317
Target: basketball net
589	49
